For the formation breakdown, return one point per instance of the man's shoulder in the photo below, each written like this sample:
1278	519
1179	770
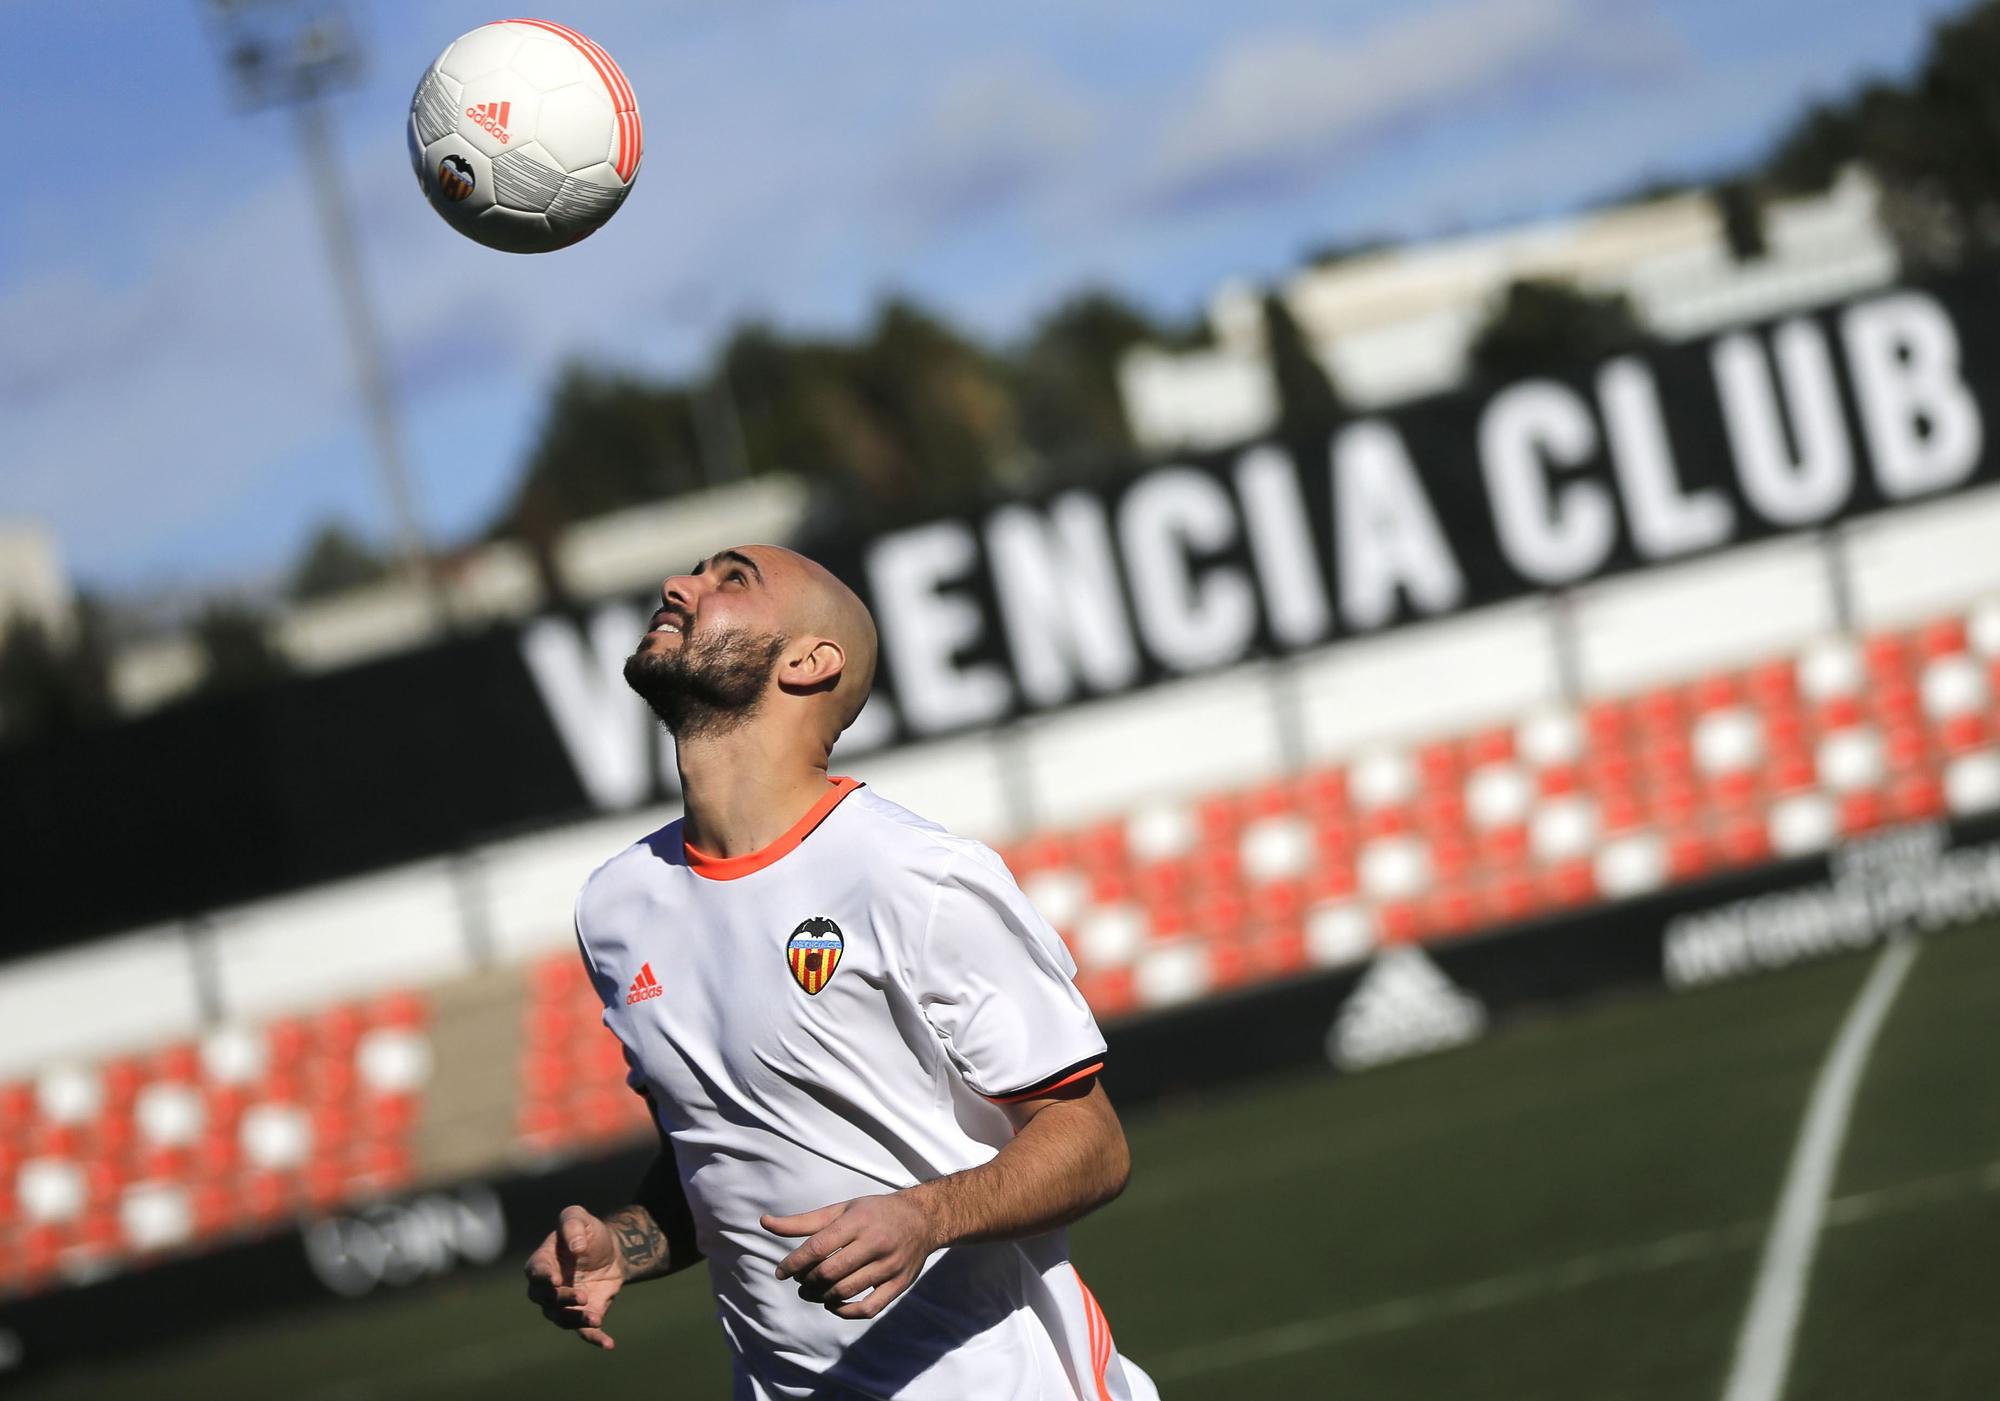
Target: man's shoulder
618	874
914	840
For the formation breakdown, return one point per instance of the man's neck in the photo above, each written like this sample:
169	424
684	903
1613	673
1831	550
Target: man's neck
744	789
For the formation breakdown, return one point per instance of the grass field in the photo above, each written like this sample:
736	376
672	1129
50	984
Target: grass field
1572	1209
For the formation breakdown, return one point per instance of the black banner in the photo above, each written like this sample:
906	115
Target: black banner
1439	506
224	800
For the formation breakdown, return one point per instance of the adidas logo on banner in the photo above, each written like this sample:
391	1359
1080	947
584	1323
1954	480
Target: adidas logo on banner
644	986
1403	1006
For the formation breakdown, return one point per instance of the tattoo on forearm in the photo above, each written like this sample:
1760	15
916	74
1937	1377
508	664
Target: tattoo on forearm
641	1242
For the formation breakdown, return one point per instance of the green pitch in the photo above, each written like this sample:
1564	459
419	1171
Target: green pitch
1572	1209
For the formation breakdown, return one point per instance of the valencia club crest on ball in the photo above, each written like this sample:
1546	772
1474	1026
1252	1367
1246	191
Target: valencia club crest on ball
813	952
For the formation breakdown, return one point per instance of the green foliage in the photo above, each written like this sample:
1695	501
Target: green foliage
1308	402
335	560
1334	252
1933	142
236	647
1542	325
1741	208
1064	379
912	413
51	684
608	441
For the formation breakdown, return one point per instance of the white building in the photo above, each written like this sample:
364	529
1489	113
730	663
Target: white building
1396	324
33	586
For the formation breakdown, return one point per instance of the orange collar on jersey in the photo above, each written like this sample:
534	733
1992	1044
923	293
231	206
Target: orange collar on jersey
735	867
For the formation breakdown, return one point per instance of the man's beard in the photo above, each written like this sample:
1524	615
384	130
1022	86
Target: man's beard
711	683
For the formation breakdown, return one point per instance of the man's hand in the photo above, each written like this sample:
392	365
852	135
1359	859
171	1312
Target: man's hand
870	1242
575	1274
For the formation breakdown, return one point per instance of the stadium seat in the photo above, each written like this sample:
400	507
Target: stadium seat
153	1152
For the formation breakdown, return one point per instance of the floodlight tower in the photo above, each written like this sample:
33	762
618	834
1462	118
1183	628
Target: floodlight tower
291	53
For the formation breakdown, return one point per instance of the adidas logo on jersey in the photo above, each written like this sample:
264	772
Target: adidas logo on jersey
644	986
492	118
1403	1006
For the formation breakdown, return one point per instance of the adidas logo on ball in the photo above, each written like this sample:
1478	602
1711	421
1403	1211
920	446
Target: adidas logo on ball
492	118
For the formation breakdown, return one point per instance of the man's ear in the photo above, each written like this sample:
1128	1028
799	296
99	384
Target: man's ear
817	668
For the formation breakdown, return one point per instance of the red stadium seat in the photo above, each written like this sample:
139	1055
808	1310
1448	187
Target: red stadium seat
1745	840
1511	897
1688	855
1861	812
1558	779
1490	747
1774	684
1716	693
1961	734
1454	911
1917	797
1278	950
1606	726
1323	791
1838	712
1439	769
1941	637
1402	921
400	1009
1887	657
1571	883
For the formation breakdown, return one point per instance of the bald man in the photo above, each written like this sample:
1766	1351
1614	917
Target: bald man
874	1080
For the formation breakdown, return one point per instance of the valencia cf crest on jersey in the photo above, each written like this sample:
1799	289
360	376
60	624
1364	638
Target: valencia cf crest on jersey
813	952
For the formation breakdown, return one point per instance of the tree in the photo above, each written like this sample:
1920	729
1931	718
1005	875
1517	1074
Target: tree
1740	205
237	647
1064	380
1308	402
608	441
1542	325
335	561
911	416
942	400
1933	143
53	685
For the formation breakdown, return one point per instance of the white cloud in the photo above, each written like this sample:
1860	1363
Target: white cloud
995	135
1274	107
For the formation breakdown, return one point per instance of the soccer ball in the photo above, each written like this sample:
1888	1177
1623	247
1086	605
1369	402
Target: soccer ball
525	135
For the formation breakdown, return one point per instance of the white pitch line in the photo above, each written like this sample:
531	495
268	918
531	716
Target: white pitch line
1771	1324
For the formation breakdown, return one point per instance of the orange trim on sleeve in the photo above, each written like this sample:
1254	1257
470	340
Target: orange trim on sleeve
736	867
1040	1090
1101	1346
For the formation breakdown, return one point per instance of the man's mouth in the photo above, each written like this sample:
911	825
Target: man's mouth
667	623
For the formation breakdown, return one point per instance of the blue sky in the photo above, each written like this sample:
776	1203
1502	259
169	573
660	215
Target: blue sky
176	394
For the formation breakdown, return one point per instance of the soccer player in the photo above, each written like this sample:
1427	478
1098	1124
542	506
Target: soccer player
875	1082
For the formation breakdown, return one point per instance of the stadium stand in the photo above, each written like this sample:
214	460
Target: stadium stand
573	1092
1167	901
1567	806
1181	898
145	1154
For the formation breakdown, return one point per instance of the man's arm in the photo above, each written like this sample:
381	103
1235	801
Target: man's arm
579	1269
655	1235
1068	1157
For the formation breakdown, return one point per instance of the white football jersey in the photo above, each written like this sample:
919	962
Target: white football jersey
834	1017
